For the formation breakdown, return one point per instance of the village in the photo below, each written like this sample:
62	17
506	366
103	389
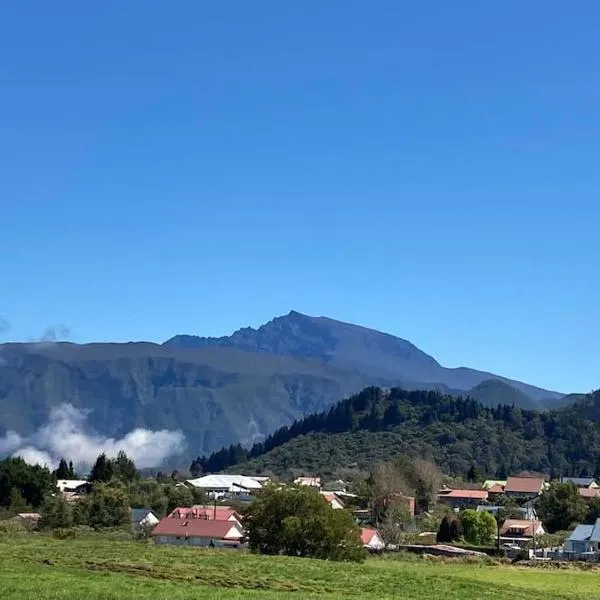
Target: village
519	530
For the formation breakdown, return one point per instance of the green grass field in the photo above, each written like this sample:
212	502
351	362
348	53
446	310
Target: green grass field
42	567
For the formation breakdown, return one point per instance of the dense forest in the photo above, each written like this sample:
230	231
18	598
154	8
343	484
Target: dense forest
459	434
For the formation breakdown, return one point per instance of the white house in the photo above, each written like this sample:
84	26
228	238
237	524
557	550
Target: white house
333	501
585	539
142	518
371	539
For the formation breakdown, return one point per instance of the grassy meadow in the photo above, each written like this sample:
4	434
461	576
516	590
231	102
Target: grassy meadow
34	567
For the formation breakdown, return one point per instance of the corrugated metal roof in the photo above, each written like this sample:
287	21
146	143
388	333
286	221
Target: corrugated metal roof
225	482
578	481
581	533
595	535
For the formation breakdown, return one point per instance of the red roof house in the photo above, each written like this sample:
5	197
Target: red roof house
371	539
197	532
461	498
524	487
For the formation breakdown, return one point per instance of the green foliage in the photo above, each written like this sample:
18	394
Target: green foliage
123	468
106	506
102	471
296	521
561	507
56	512
478	527
65	470
23	485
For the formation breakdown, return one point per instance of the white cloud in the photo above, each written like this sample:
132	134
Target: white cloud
65	435
10	442
33	456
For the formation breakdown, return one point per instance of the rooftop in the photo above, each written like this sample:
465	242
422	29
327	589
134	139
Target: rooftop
226	482
470	494
524	485
198	528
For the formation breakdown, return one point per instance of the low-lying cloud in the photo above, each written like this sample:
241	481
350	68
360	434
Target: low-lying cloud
66	435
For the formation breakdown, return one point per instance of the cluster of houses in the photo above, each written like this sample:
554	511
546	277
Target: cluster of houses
583	542
218	525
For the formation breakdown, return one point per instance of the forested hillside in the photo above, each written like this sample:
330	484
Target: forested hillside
457	433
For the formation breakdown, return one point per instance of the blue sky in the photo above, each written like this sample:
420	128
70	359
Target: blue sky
428	169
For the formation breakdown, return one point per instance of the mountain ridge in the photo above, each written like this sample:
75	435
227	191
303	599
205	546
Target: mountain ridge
335	342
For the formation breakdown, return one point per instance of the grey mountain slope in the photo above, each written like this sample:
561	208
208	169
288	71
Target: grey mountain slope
356	348
216	396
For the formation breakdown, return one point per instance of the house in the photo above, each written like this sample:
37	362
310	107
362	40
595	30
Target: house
524	488
462	498
527	512
28	519
310	481
73	489
371	539
207	513
520	531
198	532
588	493
228	485
333	500
588	483
584	539
142	518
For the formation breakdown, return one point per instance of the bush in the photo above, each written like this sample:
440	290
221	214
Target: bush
296	521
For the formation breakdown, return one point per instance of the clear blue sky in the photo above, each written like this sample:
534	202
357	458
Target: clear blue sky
430	169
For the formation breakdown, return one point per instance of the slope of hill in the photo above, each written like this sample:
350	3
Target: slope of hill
456	433
358	349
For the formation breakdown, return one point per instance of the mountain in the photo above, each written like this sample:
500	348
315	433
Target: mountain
492	392
456	433
219	391
214	395
359	349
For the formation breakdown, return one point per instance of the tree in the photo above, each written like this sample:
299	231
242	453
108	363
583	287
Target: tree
32	482
478	527
123	468
56	512
178	495
106	506
17	502
472	474
64	471
102	471
296	521
560	507
448	532
443	534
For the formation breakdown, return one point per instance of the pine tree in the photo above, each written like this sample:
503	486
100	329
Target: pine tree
63	471
102	470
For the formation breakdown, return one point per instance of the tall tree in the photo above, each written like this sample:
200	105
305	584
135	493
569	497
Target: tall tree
560	507
32	482
102	471
56	512
63	471
124	468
